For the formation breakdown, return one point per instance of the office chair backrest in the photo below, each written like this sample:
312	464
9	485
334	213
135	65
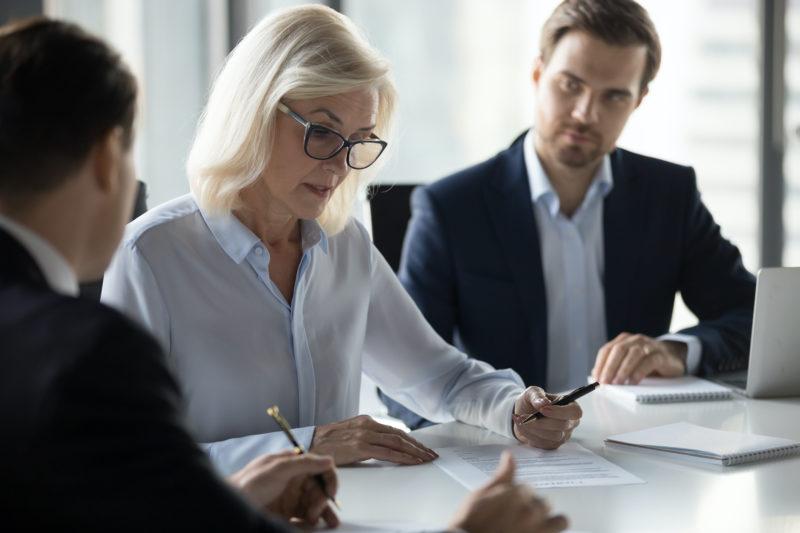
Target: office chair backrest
93	289
390	210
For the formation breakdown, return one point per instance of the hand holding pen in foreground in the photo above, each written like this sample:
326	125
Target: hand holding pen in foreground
285	484
275	413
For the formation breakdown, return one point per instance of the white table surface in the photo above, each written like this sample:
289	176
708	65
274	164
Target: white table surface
677	496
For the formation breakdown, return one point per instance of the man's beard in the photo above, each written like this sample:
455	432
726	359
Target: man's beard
579	156
574	157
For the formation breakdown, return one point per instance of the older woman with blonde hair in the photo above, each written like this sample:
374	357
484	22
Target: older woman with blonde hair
264	291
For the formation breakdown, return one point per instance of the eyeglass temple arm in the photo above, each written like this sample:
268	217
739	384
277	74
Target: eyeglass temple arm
298	118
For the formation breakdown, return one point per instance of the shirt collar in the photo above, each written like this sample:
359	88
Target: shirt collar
54	267
312	235
238	241
541	188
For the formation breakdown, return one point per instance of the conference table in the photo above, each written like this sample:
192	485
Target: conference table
677	496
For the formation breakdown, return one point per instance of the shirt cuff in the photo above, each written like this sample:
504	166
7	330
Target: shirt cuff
694	349
231	455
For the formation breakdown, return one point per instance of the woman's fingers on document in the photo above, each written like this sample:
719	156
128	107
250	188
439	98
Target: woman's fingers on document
361	437
404	444
383	428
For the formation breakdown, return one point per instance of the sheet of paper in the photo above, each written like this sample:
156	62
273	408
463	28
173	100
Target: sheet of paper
382	527
391	527
571	465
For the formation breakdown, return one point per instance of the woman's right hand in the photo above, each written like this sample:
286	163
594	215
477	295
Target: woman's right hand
501	506
361	437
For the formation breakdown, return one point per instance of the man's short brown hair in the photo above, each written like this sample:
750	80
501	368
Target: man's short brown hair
616	22
61	91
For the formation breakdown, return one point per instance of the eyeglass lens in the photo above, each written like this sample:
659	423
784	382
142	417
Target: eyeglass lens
322	143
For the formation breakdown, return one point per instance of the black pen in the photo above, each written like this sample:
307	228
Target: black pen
275	413
565	399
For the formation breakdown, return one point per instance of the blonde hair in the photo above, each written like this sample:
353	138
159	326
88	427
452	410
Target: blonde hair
295	54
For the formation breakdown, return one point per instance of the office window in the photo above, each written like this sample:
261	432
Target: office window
173	48
791	167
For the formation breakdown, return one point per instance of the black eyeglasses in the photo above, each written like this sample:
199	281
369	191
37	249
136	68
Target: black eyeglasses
321	142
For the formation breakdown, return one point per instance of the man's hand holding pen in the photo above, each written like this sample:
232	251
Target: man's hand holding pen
284	484
550	431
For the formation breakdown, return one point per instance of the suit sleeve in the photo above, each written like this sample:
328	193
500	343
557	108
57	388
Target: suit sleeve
122	460
717	288
426	267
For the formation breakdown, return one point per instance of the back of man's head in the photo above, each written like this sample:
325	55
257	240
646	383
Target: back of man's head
616	22
61	92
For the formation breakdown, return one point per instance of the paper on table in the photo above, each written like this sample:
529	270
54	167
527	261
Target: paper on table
571	465
383	527
390	527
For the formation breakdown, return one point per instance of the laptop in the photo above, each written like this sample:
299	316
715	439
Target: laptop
774	366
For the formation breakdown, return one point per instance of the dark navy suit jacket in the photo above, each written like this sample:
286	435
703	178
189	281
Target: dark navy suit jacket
92	422
471	261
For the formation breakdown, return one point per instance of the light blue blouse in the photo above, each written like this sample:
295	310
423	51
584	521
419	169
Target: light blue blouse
201	284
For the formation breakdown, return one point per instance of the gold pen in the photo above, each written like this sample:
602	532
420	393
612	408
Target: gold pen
275	413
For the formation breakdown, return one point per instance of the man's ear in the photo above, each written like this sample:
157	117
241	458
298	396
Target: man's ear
107	155
538	68
641	97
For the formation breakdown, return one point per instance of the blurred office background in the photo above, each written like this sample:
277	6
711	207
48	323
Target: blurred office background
726	101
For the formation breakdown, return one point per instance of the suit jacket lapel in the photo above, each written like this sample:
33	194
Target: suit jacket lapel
624	218
510	208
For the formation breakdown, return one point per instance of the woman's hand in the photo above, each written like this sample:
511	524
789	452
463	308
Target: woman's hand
554	428
361	437
284	484
501	506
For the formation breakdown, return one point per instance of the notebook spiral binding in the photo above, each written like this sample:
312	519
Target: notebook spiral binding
774	453
682	397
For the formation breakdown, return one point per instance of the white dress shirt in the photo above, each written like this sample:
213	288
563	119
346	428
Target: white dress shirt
573	262
57	272
201	284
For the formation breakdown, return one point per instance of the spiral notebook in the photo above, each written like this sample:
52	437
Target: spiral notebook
666	390
696	443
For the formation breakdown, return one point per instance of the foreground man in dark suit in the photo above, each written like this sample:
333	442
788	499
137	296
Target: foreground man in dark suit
562	255
92	438
91	418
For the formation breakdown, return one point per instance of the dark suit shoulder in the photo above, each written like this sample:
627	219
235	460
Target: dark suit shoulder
48	338
658	171
71	327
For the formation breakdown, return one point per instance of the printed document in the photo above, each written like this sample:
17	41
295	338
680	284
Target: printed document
571	465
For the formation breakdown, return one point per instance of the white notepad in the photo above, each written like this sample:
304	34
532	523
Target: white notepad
666	390
688	441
